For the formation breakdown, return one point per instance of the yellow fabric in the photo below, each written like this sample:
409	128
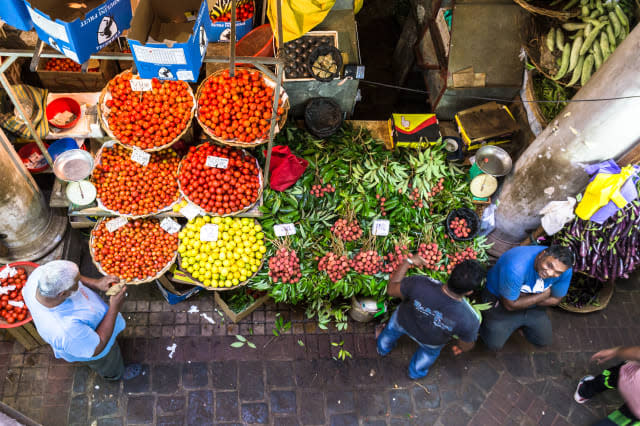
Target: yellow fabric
602	189
298	16
357	5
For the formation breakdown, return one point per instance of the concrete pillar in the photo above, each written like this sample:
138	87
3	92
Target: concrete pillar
583	133
29	229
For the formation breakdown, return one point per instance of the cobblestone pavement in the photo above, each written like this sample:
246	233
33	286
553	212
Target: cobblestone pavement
293	379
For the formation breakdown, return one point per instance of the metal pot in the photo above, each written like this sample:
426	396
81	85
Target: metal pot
494	160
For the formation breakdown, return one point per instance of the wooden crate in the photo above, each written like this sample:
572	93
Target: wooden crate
27	336
69	82
235	317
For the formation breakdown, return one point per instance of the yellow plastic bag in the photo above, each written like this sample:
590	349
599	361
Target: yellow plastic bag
298	16
602	189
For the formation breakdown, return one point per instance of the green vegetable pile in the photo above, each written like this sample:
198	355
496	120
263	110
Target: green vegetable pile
588	42
549	90
363	173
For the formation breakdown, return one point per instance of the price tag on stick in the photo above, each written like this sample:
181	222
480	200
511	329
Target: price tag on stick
140	157
141	85
170	225
217	162
190	211
116	223
284	229
380	227
209	232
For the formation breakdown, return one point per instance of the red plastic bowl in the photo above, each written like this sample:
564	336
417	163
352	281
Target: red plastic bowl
258	42
28	267
26	151
61	105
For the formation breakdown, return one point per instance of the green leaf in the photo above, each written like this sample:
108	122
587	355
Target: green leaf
241	338
251	345
300	342
237	344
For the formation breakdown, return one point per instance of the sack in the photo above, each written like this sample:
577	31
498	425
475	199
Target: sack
34	103
285	168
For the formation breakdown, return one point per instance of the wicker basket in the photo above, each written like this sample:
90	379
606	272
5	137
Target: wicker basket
132	282
28	267
603	300
281	121
533	35
98	156
249	207
551	13
199	284
103	114
533	107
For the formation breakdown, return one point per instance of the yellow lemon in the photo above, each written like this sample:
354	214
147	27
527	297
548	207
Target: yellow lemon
226	263
199	221
262	249
227	220
257	227
245	220
207	282
254	268
182	248
190	234
227	283
260	236
207	274
245	229
235	281
216	220
182	234
236	255
224	272
214	283
206	219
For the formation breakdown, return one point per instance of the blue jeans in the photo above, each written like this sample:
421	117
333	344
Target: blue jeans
424	357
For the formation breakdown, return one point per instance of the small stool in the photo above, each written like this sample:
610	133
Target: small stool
27	336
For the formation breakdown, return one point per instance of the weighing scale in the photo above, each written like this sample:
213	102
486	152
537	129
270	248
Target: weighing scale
491	161
73	167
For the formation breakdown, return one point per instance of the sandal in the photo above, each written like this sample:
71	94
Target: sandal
131	371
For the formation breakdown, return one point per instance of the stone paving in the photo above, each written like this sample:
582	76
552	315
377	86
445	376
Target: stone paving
293	379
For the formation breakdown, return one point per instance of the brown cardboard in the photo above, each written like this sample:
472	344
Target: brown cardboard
235	317
163	21
63	81
66	11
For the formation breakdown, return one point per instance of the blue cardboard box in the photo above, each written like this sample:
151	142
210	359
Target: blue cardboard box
79	32
168	39
221	31
15	13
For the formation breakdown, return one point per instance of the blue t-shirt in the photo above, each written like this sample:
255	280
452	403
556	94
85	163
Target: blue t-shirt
514	273
70	327
433	318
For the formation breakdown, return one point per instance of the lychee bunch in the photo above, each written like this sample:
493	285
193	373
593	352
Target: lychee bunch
347	231
335	266
319	190
285	266
432	255
395	258
367	262
459	257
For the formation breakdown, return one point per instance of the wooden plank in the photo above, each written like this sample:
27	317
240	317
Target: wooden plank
24	338
29	328
235	317
64	81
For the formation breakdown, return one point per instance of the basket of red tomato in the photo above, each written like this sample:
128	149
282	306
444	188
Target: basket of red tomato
237	111
221	180
149	114
129	188
13	310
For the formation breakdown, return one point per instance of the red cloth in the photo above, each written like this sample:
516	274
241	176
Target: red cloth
285	168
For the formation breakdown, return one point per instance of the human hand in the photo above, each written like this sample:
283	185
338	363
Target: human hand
104	283
418	261
117	299
456	350
605	355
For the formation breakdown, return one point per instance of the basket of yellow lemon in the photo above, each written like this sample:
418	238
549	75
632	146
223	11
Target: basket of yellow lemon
221	253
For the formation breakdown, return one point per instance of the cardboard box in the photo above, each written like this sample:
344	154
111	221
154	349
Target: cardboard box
221	31
238	316
65	81
79	32
166	40
15	13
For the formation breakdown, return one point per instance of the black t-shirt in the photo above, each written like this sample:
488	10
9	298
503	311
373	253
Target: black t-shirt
432	317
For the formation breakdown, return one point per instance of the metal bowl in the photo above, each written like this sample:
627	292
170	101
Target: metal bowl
73	165
493	160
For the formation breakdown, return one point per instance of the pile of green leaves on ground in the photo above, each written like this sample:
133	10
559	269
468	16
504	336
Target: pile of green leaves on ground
360	168
548	90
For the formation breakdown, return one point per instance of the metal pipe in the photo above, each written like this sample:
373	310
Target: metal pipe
551	168
14	98
113	56
276	99
232	44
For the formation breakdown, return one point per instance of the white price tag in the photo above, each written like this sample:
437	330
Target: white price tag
116	223
190	211
217	162
140	157
170	225
284	229
209	232
380	227
17	304
141	84
7	271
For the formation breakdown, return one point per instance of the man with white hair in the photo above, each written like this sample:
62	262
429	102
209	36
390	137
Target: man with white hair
75	321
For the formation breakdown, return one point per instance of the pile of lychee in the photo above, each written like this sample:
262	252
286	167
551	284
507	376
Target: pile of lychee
367	262
347	230
319	190
432	255
285	266
335	266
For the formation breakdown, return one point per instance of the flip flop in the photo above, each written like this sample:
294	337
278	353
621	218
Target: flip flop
131	371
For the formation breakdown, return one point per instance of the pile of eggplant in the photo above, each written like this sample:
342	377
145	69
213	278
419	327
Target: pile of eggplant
606	251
